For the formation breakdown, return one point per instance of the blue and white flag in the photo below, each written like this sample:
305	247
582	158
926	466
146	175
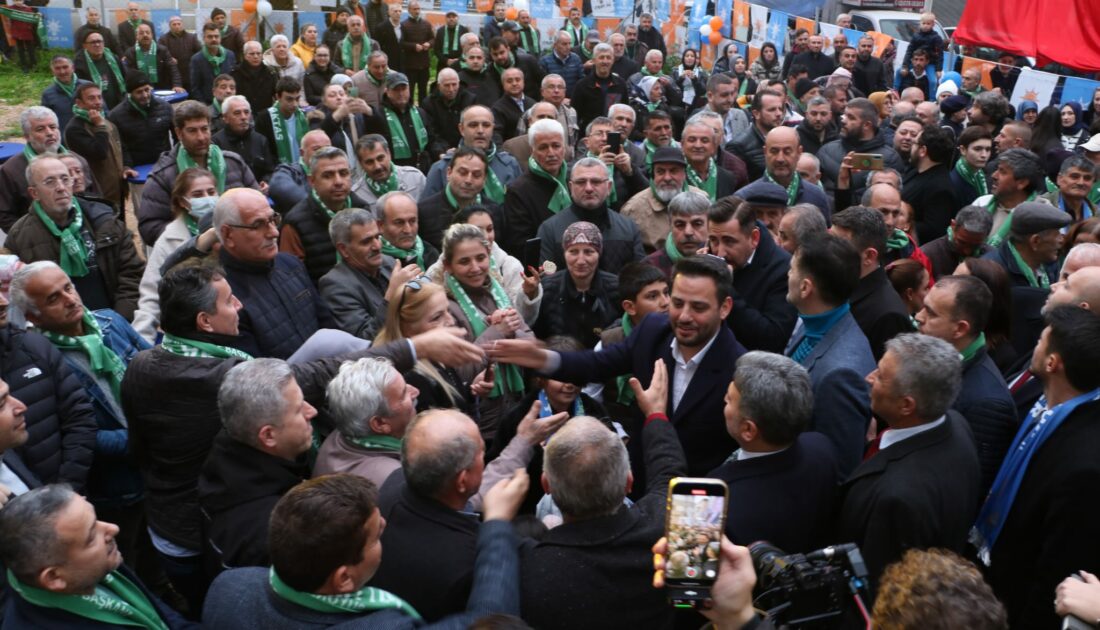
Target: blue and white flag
59	26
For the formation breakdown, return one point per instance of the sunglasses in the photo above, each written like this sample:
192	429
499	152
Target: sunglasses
415	284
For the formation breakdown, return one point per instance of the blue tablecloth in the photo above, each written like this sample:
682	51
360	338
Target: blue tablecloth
9	150
142	174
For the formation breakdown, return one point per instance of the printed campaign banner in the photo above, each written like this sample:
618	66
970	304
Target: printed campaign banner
828	33
740	20
1034	86
1080	90
759	19
777	30
59	26
159	18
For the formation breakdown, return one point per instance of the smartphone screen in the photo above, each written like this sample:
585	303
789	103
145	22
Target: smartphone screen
614	141
532	251
695	522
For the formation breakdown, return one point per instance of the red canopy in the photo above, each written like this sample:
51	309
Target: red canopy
1061	31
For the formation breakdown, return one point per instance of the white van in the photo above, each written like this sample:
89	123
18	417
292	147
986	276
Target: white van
897	24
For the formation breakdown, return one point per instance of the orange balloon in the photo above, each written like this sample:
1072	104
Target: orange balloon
715	38
716	23
249	6
512	13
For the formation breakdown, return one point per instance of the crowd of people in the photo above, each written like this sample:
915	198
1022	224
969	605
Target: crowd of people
482	316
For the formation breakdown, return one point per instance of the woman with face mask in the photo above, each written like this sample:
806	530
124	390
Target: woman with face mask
193	197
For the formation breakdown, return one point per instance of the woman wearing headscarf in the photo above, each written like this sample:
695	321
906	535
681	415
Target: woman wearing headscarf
1074	131
1028	112
691	78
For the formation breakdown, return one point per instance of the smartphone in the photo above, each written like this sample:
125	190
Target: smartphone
695	520
867	161
614	141
532	251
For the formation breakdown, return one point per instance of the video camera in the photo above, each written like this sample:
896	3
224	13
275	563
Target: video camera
827	588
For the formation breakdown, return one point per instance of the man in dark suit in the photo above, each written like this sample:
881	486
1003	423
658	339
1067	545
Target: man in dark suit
386	35
509	108
603	546
828	342
696	349
877	307
768	407
1039	520
920	489
957	310
761	314
127	31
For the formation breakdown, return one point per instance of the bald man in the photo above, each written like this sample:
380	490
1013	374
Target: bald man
289	183
432	532
127	30
782	149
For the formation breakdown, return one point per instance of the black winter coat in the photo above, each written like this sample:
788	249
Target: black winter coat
987	405
253	148
238	488
622	240
583	316
171	403
144	135
761	315
255	84
61	424
442	120
832	154
749	146
316	79
310	221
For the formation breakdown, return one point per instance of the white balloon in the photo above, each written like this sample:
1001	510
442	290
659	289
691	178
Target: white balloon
522	5
264	8
704	30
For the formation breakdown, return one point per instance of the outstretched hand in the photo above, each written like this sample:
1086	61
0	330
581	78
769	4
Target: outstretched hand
536	430
655	399
526	353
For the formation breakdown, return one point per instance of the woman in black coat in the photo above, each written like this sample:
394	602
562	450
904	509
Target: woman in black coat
319	73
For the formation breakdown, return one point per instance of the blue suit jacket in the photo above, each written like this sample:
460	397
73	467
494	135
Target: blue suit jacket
698	419
842	399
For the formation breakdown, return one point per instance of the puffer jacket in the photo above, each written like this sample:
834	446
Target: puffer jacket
119	263
832	154
144	134
155	211
171	402
282	308
987	405
114	479
749	146
565	311
310	221
61	425
316	79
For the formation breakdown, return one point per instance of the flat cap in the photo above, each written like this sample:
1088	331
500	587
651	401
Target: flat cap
954	104
395	79
669	155
763	193
1032	217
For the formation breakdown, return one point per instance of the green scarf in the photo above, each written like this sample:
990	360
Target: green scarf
116	602
215	60
30	154
82	114
969	351
103	360
144	114
897	241
578	34
670	249
972	176
215	163
29	17
112	63
389	185
622	383
509	377
450	40
493	189
200	349
792	188
995	240
324	206
282	137
147	61
192	224
1037	279
561	199
585	53
377	443
394	251
225	30
450	196
529	40
613	196
365	600
74	254
364	52
710	184
511	63
69	90
401	148
1094	194
650	149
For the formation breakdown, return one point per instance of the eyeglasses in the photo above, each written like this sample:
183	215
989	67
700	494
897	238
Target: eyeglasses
585	183
260	224
415	284
52	182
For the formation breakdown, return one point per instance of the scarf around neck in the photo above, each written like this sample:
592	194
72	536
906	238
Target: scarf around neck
74	253
116	602
509	378
365	600
103	360
184	347
112	63
560	199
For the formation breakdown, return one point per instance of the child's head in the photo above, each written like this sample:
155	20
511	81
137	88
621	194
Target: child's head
644	289
927	21
560	394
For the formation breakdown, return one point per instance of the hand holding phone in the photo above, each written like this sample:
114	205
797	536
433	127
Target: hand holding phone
614	141
867	161
694	524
